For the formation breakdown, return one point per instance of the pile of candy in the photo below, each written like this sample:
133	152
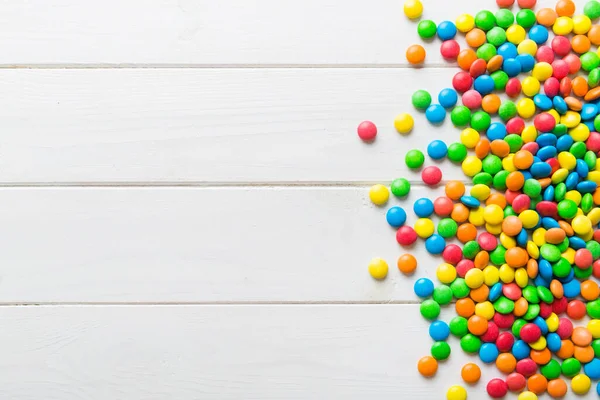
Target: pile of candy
521	247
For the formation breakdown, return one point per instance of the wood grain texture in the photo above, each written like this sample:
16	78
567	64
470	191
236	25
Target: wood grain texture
230	32
224	352
199	245
211	125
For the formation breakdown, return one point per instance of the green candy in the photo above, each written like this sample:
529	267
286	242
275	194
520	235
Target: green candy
545	294
564	245
442	295
593	309
457	152
480	121
440	351
459	287
507	110
447	228
560	129
400	187
497	255
587	203
515	142
500	79
504	18
504	305
471	249
485	20
597	123
567	209
509	212
589	61
583	273
516	328
430	309
496	36
570	367
578	149
426	29
492	164
526	18
594	248
550	252
532	188
551	370
596	347
590	159
500	180
530	294
594	78
486	51
559	192
561	268
414	159
592	9
483	178
460	116
459	326
470	343
532	312
421	99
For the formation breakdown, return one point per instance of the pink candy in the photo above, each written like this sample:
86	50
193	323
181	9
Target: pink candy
431	175
471	99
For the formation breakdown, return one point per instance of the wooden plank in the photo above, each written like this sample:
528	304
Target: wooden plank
211	125
230	32
218	244
225	352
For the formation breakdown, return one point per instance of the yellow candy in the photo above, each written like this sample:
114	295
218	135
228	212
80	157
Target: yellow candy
587	236
481	192
570	119
471	166
526	108
379	194
533	250
542	71
485	310
573	195
529	218
491	275
493	229
507	242
508	164
456	393
562	26
507	274
594	327
552	322
529	134
424	227
469	137
413	8
569	255
581	24
539	344
474	278
580	133
530	86
579	212
446	273
476	217
527	46
521	277
539	237
594	176
465	23
404	123
493	214
555	114
559	176
567	160
594	215
581	225
527	395
516	34
581	384
378	268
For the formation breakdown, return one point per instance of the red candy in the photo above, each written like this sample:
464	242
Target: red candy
561	46
574	63
521	203
545	54
367	131
497	388
431	175
583	258
452	254
513	87
463	267
471	99
553	162
526	3
559	306
462	82
552	85
478	68
531	147
406	235
505	3
565	86
516	382
443	206
544	122
450	49
593	143
545	310
565	328
512	291
515	125
596	266
576	310
504	321
491	335
487	241
530	333
526	367
560	69
546	208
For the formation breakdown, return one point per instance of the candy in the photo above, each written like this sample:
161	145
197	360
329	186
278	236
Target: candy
427	366
456	393
414	159
431	175
415	54
378	268
413	8
426	28
367	131
497	388
421	99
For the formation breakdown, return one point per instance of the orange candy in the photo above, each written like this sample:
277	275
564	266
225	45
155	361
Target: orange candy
482	148
506	363
466	232
482	259
465	307
565	8
476	37
521	307
523	159
555	235
590	290
460	213
584	354
427	366
491	104
515	181
594	35
498	199
581	336
465	58
415	54
596	196
516	257
470	373
541	357
495	63
532	268
580	44
566	349
565	226
500	148
557	388
407	263
537	383
477	325
455	189
480	294
546	16
580	86
557	289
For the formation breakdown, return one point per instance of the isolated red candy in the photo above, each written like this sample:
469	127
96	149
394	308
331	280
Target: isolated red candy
530	333
515	125
565	86
510	196
516	382
531	147
545	310
553	162
367	131
497	388
505	3
478	68
526	3
512	291
526	367
574	63
576	310
431	175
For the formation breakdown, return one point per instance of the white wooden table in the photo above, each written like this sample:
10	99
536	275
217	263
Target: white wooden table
184	209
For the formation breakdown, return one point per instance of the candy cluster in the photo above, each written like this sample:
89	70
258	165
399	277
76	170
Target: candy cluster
521	245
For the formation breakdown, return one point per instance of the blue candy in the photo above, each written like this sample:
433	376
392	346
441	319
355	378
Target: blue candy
484	84
538	34
522	238
526	61
540	170
496	130
446	30
586	186
542	102
396	216
582	169
423	287
548	194
447	98
553	342
572	181
435	244
527	174
545	269
423	207
546	139
439	330
437	149
512	67
592	369
495	292
560	104
507	50
435	113
520	350
576	243
470	201
572	289
564	143
549	223
488	352
588	111
546	152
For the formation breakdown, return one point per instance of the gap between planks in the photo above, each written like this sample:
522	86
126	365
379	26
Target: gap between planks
224	66
206	303
305	184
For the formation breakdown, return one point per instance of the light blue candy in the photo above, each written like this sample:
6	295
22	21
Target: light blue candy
396	216
488	352
439	330
435	114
